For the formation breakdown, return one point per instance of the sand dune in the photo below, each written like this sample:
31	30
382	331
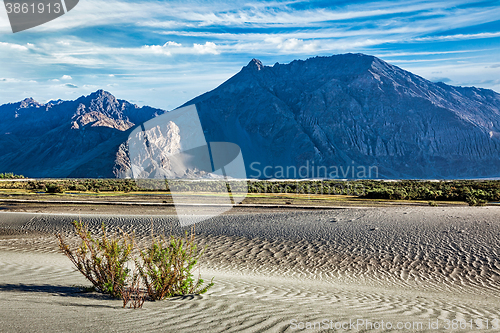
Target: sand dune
273	271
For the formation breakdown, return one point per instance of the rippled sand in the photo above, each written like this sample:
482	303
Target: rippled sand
274	271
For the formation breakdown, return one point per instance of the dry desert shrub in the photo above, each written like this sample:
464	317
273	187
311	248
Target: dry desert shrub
101	260
166	266
163	269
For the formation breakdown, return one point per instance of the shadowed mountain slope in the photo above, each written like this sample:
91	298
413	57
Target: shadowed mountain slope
354	109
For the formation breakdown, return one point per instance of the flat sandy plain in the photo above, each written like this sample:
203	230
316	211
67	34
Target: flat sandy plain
373	269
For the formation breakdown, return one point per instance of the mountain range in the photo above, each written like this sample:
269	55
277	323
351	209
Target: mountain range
59	139
344	111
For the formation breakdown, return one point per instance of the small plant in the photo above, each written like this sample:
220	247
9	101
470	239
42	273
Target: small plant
433	203
101	261
165	267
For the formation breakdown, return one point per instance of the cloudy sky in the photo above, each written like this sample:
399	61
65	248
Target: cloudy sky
163	53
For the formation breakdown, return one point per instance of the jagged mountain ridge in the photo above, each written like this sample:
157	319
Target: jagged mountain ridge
67	138
342	110
355	109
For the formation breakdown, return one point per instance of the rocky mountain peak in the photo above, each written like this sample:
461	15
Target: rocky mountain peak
103	99
102	109
76	138
102	102
255	64
29	102
101	94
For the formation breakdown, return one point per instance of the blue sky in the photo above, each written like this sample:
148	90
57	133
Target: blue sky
163	53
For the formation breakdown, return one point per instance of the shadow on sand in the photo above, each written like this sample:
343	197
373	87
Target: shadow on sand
73	291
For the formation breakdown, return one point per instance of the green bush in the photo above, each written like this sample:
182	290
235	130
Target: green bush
399	194
10	175
456	190
54	188
165	267
102	261
471	191
380	193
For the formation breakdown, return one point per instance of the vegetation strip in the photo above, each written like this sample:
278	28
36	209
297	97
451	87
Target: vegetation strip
473	192
161	204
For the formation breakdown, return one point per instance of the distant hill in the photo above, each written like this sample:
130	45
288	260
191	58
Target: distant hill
338	112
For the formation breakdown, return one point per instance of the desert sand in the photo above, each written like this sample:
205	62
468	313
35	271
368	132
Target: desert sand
419	269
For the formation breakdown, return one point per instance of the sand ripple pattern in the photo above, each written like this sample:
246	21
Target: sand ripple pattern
398	263
37	292
430	249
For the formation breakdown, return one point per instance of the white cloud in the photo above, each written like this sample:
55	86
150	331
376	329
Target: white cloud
409	16
463	73
158	49
459	37
14	80
207	48
280	14
170	43
402	54
14	46
98	12
293	45
170	48
162	49
178	15
9	80
66	77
